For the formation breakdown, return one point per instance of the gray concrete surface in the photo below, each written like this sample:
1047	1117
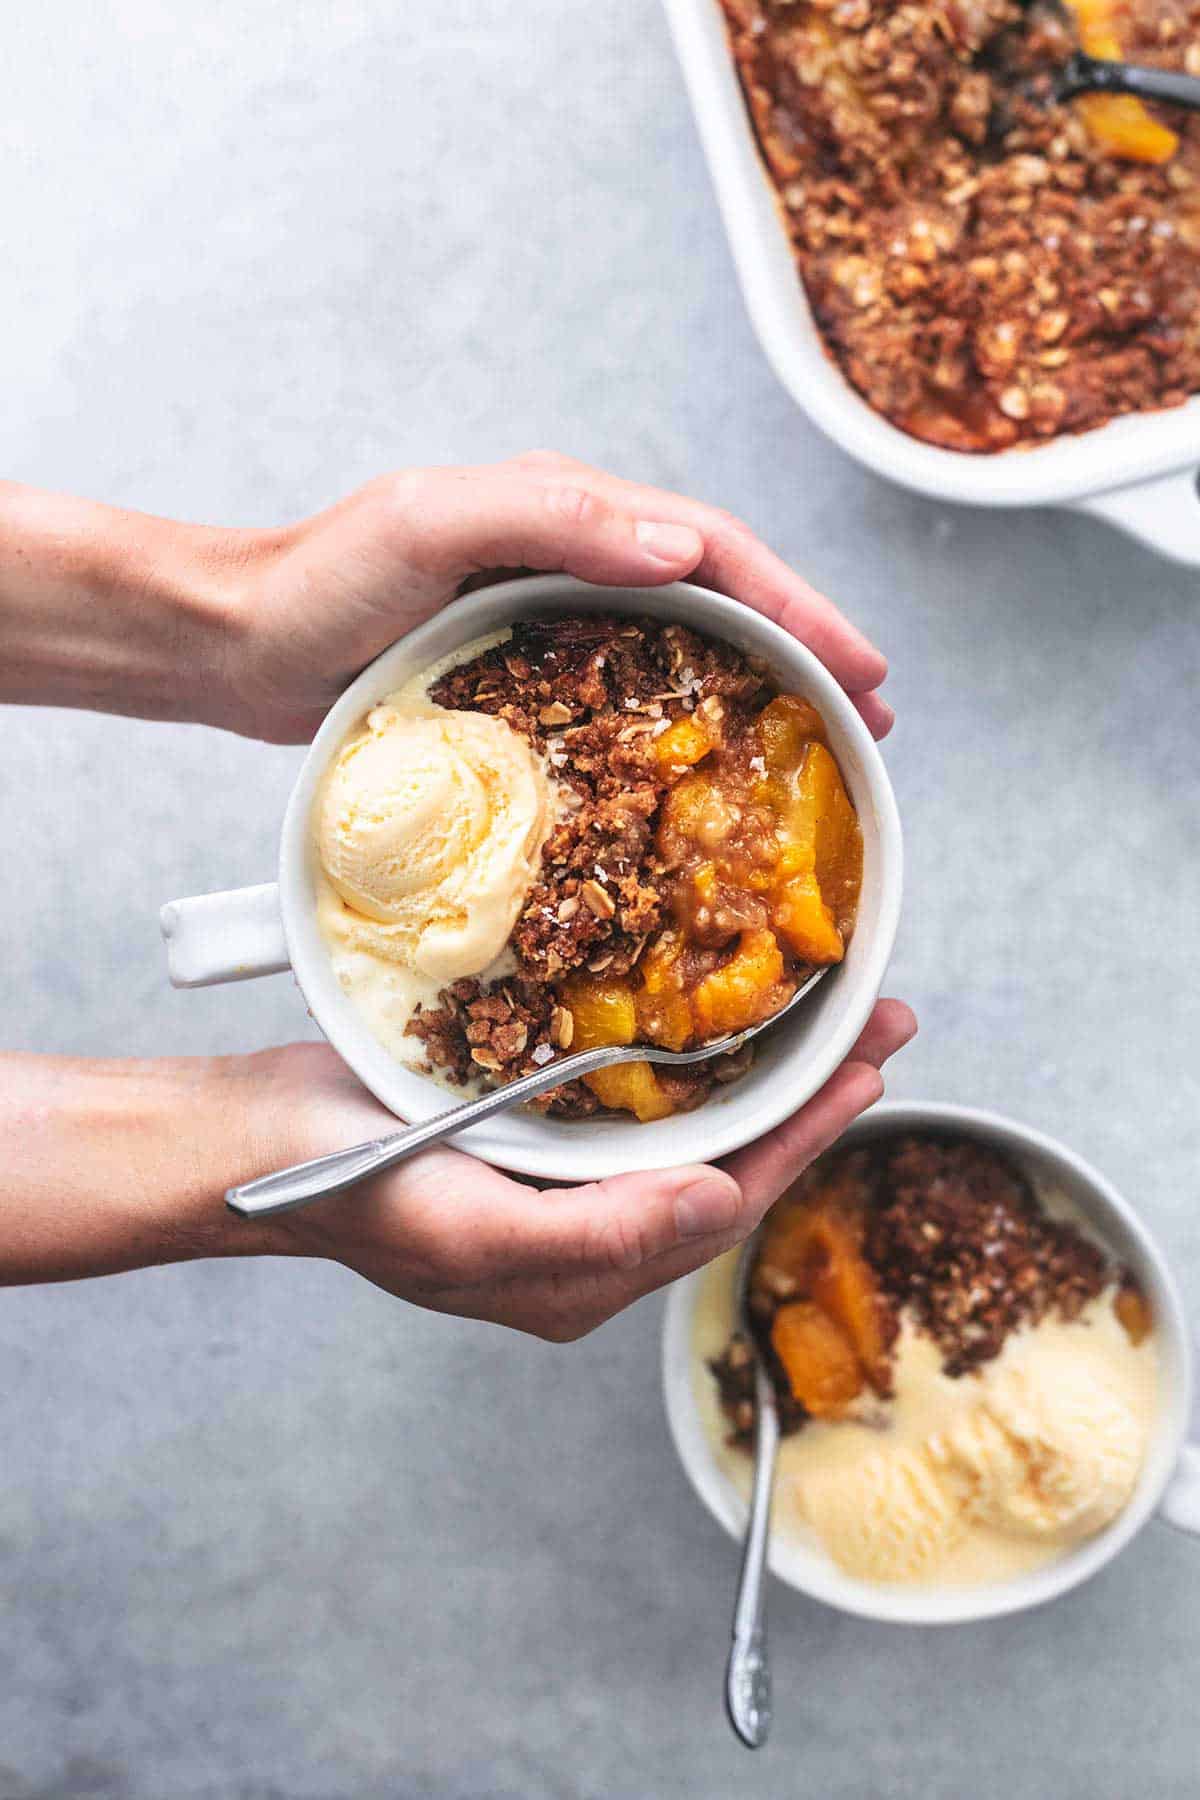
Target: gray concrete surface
263	1534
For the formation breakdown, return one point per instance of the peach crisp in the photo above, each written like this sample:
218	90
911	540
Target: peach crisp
707	858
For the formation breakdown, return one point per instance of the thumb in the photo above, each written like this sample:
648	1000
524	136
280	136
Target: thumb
621	1223
456	522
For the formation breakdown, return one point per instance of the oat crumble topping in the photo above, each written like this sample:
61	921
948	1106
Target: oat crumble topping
984	268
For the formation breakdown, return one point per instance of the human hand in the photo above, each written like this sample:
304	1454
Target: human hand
449	1233
315	602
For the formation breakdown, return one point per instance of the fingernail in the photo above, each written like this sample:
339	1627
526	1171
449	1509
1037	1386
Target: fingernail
707	1206
672	544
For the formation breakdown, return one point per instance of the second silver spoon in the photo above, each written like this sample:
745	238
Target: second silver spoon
748	1676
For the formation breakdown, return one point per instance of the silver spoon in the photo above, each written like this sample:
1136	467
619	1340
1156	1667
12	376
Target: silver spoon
342	1168
748	1676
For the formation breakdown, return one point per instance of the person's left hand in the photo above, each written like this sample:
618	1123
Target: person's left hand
313	603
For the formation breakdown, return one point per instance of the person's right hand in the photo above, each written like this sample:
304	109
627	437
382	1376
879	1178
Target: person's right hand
450	1233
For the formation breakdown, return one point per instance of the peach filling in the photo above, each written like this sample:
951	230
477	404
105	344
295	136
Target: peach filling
762	855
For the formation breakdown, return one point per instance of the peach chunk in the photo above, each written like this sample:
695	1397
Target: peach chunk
744	990
819	1248
1120	123
604	1011
820	864
632	1087
685	742
818	1358
784	726
1133	1310
844	1285
695	816
663	1013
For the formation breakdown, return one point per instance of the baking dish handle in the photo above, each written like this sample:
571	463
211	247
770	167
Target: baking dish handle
1163	513
224	937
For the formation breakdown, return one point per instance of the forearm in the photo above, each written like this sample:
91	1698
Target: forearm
118	1165
113	610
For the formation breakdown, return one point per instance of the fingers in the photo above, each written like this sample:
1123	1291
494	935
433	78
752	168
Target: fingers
736	563
763	1170
545	511
456	522
892	1024
875	714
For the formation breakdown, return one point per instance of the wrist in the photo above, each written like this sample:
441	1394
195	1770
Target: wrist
252	1109
116	611
124	1164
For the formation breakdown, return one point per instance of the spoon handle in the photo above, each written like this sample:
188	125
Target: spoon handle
748	1676
307	1181
1096	75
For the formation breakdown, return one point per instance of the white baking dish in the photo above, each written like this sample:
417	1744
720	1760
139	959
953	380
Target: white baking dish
1139	473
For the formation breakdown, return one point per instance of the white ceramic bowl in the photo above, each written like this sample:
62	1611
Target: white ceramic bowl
261	930
1139	473
1170	1478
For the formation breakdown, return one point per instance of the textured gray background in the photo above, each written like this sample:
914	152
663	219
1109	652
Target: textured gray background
264	1533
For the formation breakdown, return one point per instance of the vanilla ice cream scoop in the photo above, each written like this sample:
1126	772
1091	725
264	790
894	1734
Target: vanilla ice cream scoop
1051	1451
886	1518
430	826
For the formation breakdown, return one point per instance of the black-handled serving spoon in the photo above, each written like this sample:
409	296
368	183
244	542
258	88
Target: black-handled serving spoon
1084	74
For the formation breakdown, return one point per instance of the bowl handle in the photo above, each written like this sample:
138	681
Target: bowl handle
1165	513
224	937
1180	1504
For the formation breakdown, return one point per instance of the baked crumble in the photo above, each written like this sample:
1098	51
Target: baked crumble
988	267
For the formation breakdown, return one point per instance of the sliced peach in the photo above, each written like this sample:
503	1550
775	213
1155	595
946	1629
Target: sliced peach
1121	124
663	1013
803	918
631	1087
845	1287
744	990
784	726
604	1011
820	863
695	815
819	1248
818	1358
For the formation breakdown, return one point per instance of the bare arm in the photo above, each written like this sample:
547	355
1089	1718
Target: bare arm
122	1165
110	610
